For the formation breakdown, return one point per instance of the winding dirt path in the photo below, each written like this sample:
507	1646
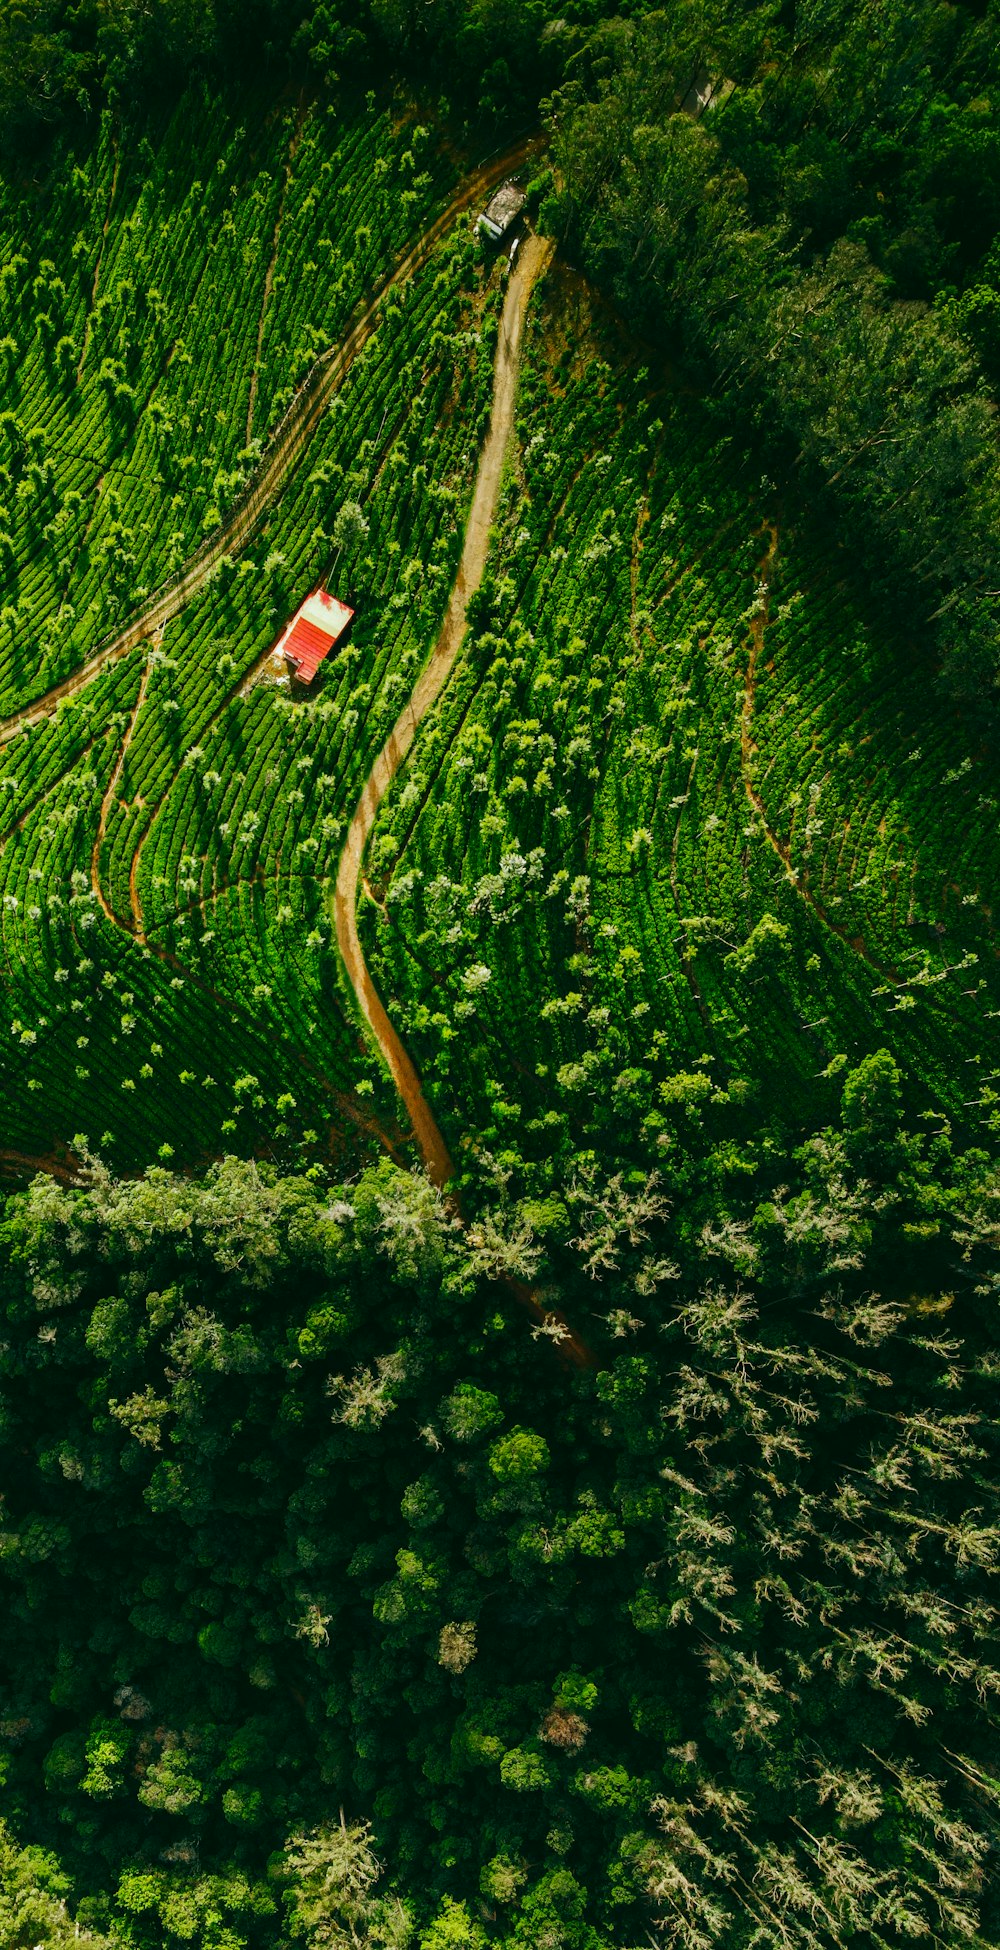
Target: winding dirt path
278	462
534	256
532	260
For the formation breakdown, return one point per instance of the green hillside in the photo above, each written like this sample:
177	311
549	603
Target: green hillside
717	827
682	723
168	828
499	1247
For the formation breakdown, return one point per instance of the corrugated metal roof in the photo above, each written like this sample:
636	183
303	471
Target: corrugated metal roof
506	203
317	625
306	646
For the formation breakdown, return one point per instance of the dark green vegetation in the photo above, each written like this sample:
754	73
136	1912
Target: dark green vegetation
698	1638
342	1604
821	249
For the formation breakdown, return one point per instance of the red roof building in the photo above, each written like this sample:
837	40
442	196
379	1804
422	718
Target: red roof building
317	626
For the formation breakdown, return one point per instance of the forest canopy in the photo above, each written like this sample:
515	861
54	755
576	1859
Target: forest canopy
605	1553
308	1528
819	247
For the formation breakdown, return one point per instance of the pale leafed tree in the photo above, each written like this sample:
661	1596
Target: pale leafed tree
333	1897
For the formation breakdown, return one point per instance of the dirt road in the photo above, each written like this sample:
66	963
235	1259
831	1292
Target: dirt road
532	260
278	462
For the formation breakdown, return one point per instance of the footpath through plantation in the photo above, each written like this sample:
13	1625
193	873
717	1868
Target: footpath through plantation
154	720
498	1370
687	827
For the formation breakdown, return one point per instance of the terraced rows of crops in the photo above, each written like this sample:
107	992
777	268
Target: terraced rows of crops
247	830
675	836
155	319
168	831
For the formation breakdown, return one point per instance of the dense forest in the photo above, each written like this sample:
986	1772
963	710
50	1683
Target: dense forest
551	1501
669	1613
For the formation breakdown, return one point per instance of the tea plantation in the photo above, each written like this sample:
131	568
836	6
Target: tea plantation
499	1237
168	827
694	824
691	818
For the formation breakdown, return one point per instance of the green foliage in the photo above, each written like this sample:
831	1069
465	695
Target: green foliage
842	314
469	1412
764	949
686	1087
143	816
873	1095
333	1876
523	1771
519	1456
399	1679
614	1562
33	1892
453	1929
752	849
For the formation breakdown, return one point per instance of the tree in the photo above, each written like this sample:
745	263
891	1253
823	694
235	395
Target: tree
771	1507
766	947
457	1645
519	1457
469	1412
33	1892
44	70
332	1899
828	326
873	1098
350	526
453	1929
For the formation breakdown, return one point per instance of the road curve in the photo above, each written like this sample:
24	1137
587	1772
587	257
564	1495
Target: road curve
532	260
280	458
533	257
